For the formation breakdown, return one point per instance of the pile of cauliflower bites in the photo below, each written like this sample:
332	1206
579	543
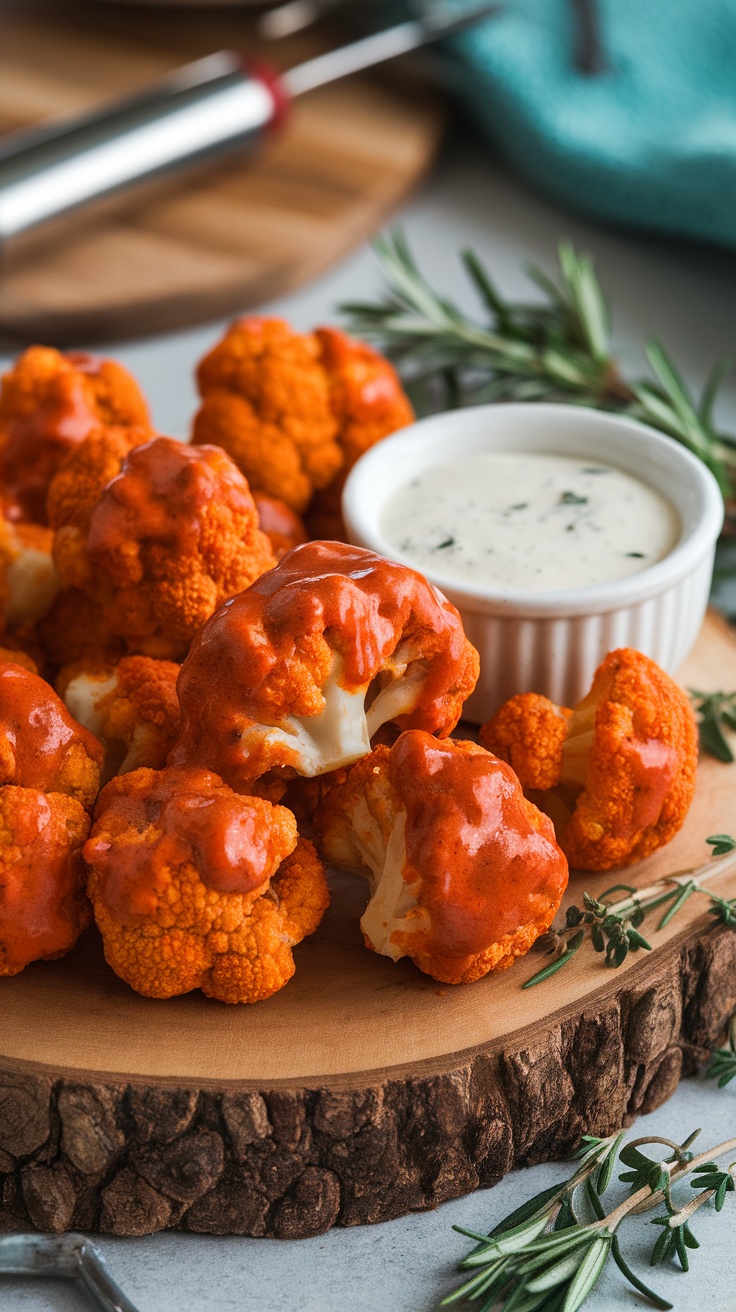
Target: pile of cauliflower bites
205	694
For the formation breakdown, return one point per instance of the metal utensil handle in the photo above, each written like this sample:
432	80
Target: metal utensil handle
204	109
72	1256
99	1283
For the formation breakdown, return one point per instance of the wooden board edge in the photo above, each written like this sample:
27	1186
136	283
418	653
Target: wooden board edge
129	1157
638	976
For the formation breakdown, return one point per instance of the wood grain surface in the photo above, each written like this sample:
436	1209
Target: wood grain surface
363	1090
240	233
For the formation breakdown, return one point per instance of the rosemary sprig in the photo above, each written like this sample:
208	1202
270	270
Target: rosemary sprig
722	1065
557	350
613	927
548	1255
716	712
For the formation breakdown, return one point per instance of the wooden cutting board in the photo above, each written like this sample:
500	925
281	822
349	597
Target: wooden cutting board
244	232
363	1090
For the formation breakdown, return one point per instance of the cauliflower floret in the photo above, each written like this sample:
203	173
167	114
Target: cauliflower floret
49	403
529	732
300	672
132	707
265	399
77	487
368	402
28	578
194	886
75	629
43	908
282	526
464	872
617	773
296	410
164	543
41	746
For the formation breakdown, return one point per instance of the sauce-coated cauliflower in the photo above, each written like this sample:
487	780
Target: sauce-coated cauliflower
464	872
266	400
296	410
301	671
617	773
368	402
197	887
164	543
43	907
41	746
49	403
132	707
282	526
75	629
28	579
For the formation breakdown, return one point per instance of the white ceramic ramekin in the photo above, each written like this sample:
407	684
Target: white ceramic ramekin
552	642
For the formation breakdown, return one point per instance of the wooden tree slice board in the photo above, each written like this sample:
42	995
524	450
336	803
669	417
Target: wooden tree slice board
248	230
363	1090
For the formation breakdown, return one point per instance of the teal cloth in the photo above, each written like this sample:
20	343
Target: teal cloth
649	143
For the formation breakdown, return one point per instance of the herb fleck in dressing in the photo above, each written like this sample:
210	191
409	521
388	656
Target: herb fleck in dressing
529	522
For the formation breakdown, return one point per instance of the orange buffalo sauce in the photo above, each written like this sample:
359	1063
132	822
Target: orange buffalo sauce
152	824
653	767
37	733
282	526
268	652
42	904
486	858
49	403
159	497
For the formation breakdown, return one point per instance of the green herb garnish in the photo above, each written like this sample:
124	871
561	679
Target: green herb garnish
548	1255
613	927
716	711
723	1062
556	350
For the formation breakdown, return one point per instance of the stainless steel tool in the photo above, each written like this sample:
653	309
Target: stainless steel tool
203	110
72	1256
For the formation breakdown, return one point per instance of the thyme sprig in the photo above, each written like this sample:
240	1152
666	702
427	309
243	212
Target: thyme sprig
556	350
613	927
716	712
548	1255
722	1065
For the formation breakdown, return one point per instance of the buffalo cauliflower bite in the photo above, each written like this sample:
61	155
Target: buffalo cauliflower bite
77	487
197	887
266	400
132	707
368	402
75	629
296	410
464	872
282	526
28	578
300	672
43	907
164	543
617	773
41	746
49	403
529	731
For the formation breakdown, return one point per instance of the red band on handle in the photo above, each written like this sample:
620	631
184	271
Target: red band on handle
272	79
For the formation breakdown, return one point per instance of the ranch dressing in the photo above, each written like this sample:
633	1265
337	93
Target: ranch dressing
524	521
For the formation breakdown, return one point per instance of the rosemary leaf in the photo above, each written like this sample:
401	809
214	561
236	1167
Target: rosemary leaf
558	349
546	1269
